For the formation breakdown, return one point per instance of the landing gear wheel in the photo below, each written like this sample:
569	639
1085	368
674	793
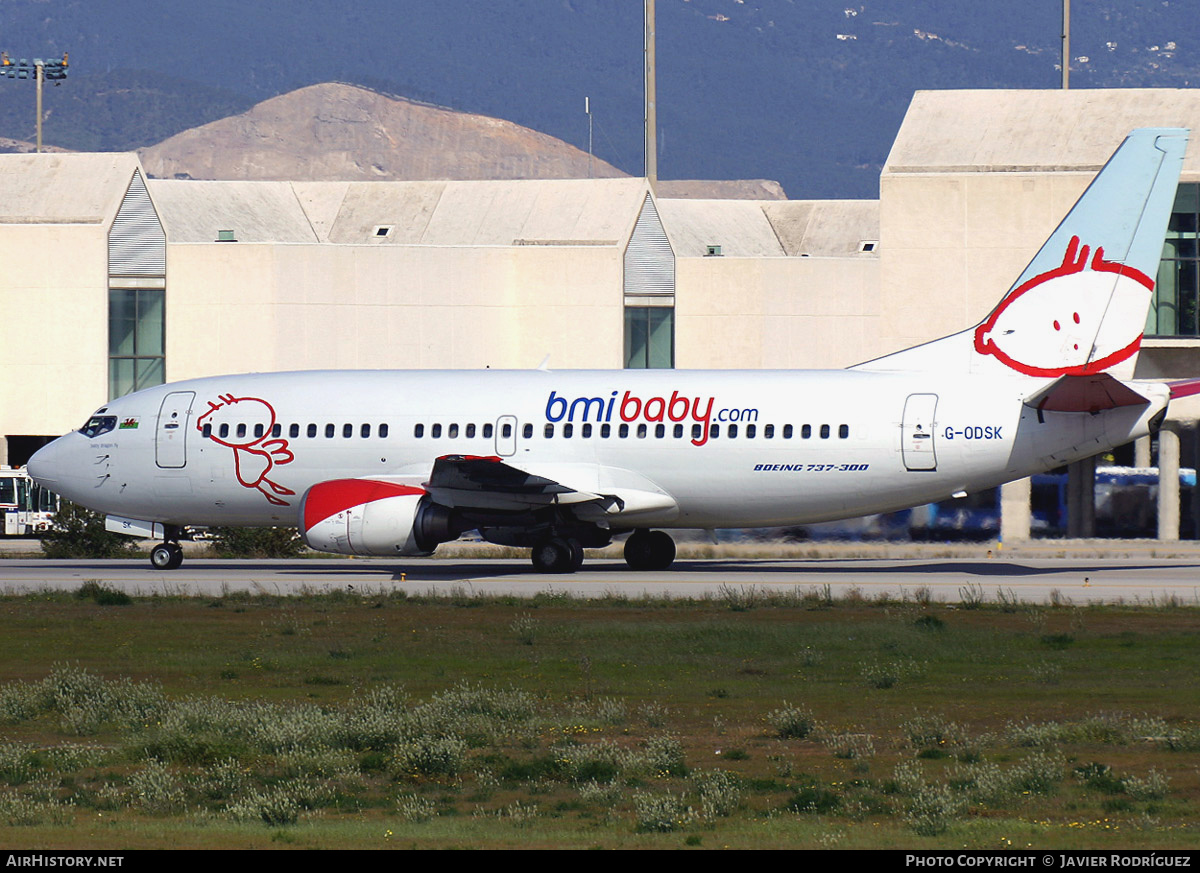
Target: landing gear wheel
557	555
649	550
166	556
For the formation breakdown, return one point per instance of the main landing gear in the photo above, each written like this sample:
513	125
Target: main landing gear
558	555
649	550
167	555
644	550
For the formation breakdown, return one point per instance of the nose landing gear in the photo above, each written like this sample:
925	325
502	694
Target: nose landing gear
168	554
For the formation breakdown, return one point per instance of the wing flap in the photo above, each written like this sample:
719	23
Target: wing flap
494	483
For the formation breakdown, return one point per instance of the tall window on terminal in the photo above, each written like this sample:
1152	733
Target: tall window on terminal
1175	307
136	351
649	337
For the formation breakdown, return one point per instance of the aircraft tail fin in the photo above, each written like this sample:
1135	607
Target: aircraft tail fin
1080	306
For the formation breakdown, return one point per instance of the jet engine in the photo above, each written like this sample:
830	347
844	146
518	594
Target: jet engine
368	517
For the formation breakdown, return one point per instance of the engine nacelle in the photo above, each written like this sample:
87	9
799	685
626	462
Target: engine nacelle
367	517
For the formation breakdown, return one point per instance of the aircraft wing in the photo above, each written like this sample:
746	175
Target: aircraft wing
591	490
1092	393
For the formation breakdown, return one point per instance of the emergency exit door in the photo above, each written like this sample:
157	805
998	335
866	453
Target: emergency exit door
917	440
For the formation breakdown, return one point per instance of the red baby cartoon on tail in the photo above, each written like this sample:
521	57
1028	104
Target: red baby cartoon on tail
1080	317
233	423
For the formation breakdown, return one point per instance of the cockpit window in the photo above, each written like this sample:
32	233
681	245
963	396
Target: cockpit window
98	424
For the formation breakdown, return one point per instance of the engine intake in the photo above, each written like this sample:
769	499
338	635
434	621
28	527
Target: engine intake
368	517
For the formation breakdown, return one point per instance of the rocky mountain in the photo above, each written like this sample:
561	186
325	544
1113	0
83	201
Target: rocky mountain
338	131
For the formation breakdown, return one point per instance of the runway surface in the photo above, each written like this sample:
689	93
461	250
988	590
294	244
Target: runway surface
1129	579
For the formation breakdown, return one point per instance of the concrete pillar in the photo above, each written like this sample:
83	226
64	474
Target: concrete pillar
1081	499
1016	513
1196	487
1141	452
1168	482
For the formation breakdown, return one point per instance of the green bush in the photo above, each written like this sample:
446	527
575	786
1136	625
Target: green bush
80	533
255	542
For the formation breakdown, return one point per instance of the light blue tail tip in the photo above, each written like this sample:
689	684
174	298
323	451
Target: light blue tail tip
1126	208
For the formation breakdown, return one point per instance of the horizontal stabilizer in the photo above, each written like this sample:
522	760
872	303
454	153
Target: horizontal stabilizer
1093	393
1184	388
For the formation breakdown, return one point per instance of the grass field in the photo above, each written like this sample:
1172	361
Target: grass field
742	721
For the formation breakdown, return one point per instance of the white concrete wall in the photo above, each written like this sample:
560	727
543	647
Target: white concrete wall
775	313
54	300
236	307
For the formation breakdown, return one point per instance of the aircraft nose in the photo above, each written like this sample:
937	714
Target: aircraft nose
45	467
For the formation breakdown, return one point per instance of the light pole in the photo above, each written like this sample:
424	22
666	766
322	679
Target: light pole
38	70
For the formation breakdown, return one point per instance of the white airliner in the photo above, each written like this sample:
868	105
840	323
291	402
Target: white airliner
394	463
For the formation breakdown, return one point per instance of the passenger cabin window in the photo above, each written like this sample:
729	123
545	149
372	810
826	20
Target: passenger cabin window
418	430
787	431
843	431
383	431
470	431
526	431
294	431
206	431
548	433
824	431
276	430
751	430
347	431
769	432
260	431
312	431
806	431
223	431
241	431
436	431
330	430
568	430
452	431
487	431
365	433
506	431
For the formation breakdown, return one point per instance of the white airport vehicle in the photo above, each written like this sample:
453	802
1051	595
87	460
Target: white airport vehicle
27	506
394	463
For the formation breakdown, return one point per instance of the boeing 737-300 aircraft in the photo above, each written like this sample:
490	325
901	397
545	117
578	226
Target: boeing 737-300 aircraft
394	463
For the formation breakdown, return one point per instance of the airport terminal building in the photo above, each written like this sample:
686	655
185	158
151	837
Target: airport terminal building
114	281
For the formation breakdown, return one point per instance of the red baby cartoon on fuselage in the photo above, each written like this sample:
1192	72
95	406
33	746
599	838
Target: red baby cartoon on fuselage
233	423
1051	325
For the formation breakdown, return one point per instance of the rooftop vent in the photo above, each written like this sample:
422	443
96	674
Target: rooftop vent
867	246
226	236
712	251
